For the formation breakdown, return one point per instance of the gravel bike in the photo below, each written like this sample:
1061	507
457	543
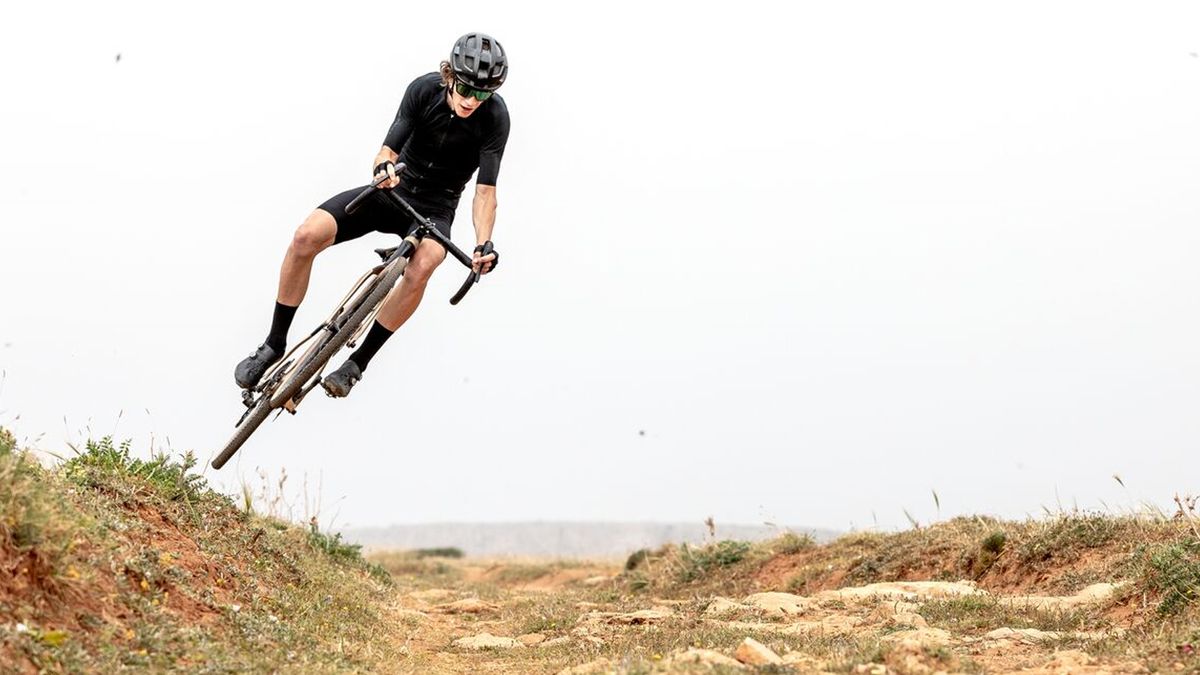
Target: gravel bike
285	384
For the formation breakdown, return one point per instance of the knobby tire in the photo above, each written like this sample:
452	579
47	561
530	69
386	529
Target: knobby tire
253	419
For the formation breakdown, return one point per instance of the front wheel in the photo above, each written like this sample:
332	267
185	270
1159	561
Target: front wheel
254	417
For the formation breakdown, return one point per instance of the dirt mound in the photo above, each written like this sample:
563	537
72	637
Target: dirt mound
109	561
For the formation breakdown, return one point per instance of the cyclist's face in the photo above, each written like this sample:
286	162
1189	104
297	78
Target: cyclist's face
463	106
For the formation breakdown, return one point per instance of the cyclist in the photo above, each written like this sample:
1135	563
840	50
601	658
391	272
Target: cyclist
449	124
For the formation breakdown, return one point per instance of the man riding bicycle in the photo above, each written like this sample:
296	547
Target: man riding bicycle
449	124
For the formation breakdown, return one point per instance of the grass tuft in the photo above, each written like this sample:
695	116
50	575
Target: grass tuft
1174	571
698	562
101	463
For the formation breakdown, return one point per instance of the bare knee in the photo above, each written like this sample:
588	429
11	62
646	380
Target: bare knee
314	235
424	262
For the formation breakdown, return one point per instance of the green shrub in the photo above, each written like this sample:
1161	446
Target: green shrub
636	558
333	546
790	543
1174	571
698	562
994	543
102	461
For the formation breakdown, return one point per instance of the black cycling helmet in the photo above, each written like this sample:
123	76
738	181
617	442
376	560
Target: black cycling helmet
479	61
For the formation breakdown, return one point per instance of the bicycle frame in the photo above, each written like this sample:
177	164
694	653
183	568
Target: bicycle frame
286	384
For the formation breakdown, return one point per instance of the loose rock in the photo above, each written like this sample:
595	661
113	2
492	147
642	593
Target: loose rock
780	604
721	605
487	641
755	653
705	656
467	606
531	639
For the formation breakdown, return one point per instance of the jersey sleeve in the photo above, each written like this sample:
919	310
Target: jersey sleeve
493	150
406	117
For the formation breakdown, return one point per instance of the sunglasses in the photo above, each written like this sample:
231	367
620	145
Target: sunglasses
464	90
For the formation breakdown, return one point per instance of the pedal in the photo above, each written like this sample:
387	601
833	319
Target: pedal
247	398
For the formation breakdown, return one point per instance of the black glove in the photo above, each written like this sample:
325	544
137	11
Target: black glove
386	167
486	248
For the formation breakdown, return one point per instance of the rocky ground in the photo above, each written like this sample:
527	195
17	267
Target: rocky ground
576	619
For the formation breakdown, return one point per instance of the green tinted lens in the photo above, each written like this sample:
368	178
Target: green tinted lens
464	90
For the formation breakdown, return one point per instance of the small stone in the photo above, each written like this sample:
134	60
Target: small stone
779	604
638	618
531	639
486	641
920	638
755	653
467	606
705	656
909	619
721	605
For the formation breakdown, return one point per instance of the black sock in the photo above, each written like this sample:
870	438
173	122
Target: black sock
280	323
370	344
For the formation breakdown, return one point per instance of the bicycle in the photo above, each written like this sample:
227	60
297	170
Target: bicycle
287	382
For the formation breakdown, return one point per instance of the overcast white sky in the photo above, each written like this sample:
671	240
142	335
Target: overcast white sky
829	257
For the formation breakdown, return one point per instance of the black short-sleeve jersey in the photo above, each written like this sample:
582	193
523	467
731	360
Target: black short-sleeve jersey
440	149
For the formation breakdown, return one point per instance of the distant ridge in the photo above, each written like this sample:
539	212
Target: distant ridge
559	539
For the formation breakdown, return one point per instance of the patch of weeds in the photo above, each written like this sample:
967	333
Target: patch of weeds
976	613
333	546
550	619
636	558
102	461
978	562
698	562
518	573
1174	571
34	523
405	563
1062	537
994	543
800	582
865	570
790	543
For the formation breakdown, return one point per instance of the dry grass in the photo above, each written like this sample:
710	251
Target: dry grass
120	563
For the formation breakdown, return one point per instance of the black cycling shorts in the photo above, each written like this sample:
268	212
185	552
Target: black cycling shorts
378	213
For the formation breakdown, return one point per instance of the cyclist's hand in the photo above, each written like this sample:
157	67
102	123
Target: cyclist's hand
486	262
386	171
